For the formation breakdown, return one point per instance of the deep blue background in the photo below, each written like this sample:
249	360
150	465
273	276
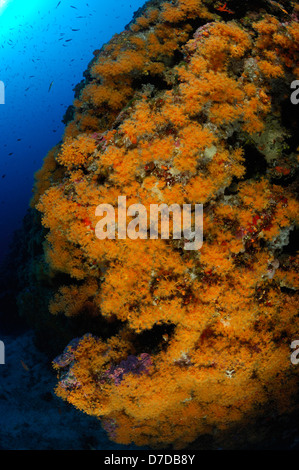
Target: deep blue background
34	53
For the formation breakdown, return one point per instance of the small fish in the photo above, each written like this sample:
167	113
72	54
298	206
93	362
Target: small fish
277	5
58	4
24	366
224	9
51	84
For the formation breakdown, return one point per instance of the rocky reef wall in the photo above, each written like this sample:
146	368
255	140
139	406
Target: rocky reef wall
189	105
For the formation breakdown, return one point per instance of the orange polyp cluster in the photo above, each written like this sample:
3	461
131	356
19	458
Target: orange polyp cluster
47	175
228	323
182	9
76	152
279	44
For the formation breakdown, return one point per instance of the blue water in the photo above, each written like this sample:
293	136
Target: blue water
34	52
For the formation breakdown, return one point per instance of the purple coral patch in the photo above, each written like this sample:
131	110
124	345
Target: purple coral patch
133	364
64	359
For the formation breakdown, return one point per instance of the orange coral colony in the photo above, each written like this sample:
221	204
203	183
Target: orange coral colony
184	107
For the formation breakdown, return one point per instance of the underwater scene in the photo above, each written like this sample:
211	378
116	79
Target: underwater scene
149	264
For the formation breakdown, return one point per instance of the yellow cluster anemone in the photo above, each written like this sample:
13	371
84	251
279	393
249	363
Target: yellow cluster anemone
176	111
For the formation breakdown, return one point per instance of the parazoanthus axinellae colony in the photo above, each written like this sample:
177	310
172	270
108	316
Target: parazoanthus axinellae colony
173	112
